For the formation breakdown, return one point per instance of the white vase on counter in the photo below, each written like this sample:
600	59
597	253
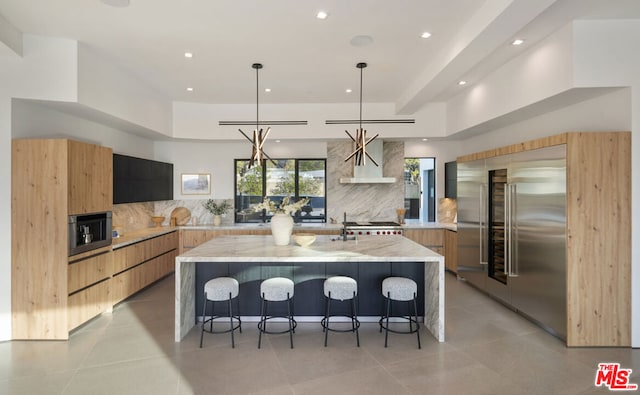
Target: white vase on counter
217	219
281	228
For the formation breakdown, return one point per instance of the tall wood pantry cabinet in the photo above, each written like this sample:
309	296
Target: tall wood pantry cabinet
50	180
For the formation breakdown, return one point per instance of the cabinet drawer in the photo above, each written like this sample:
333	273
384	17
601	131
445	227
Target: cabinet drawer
88	303
426	237
131	281
193	238
137	253
89	271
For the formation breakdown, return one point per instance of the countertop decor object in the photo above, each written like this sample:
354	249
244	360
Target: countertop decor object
182	215
217	209
281	228
158	220
304	239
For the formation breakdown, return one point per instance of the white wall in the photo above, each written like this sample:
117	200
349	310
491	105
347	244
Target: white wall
34	120
541	72
106	87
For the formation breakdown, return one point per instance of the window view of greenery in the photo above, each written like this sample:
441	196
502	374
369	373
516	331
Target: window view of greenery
298	178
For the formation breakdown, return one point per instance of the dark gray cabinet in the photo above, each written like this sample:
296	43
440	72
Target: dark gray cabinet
141	180
451	180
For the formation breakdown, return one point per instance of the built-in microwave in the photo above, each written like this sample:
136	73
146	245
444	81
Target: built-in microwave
89	231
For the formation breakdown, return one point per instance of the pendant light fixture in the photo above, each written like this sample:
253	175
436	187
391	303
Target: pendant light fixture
360	140
259	136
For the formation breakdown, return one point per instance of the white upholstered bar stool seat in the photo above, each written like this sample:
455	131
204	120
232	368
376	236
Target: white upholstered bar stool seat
276	289
400	289
220	289
341	288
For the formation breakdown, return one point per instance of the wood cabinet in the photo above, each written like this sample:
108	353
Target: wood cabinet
51	179
141	264
90	172
451	250
441	241
433	239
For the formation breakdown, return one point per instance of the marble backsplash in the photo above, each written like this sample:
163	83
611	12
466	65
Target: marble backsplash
133	216
447	210
363	202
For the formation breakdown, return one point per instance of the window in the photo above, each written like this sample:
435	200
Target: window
420	188
298	178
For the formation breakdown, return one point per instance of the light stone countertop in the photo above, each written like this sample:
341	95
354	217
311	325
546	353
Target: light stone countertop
140	235
136	236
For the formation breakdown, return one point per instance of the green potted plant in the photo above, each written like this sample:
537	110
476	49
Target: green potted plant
217	209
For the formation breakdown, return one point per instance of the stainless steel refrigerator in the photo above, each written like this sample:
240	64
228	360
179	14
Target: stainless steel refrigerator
512	232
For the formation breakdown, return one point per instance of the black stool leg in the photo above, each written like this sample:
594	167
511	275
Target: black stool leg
239	319
326	319
263	320
233	343
290	320
204	319
409	311
386	330
354	318
415	311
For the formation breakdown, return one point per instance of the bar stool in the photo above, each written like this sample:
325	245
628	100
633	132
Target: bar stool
221	289
340	288
400	289
276	289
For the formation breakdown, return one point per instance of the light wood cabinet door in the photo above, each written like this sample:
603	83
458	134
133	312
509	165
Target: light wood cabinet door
88	303
433	239
90	176
451	250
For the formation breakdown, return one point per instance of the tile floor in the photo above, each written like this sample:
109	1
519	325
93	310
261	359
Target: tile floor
489	350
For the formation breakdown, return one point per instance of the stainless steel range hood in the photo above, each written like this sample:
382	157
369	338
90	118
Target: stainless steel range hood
370	173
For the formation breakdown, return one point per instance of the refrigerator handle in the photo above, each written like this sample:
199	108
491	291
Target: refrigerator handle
507	229
513	231
481	215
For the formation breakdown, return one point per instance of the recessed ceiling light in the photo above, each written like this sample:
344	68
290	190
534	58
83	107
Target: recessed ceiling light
425	139
462	82
348	90
277	141
188	54
322	15
267	90
189	89
116	3
426	35
517	41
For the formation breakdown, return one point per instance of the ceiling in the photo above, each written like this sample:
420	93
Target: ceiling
307	60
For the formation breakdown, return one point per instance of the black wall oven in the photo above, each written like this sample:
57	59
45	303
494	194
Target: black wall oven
89	231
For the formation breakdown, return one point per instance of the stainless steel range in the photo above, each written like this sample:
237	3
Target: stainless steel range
373	228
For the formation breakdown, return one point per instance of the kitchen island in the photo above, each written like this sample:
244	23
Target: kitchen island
254	257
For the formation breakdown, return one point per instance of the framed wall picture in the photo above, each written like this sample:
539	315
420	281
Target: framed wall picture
196	183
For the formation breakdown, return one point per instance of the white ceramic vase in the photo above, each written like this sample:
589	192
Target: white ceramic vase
281	228
217	220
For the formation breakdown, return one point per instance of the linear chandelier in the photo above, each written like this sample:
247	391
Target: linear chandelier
360	141
259	135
